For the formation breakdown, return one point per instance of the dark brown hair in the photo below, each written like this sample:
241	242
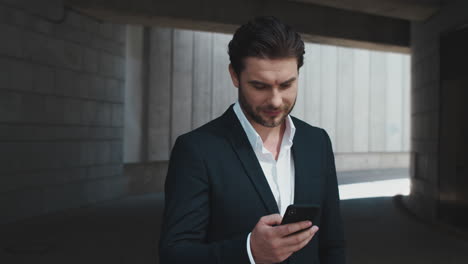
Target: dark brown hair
265	37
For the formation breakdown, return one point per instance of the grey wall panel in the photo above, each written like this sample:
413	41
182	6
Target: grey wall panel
406	103
133	95
182	81
344	122
202	77
394	103
378	84
224	93
159	98
299	108
342	90
329	86
361	65
312	91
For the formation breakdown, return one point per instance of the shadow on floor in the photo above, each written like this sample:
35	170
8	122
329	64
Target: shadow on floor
379	231
121	231
126	231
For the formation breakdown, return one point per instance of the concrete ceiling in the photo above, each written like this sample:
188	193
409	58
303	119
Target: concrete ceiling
317	23
414	10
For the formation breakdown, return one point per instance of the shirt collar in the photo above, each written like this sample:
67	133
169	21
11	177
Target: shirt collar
255	139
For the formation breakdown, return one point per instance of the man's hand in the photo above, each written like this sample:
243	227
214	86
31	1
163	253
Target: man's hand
273	244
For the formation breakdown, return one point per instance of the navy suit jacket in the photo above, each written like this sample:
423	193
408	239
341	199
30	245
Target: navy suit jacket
215	193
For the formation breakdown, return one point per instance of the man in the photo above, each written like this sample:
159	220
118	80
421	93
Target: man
230	180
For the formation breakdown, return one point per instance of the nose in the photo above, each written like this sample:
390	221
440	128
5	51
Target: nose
275	98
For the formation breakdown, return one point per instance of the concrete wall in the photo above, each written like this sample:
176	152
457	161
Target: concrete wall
428	148
135	92
61	109
360	97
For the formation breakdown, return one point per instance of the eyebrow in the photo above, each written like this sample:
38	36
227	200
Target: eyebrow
255	82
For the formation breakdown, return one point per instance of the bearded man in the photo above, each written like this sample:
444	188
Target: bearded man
230	181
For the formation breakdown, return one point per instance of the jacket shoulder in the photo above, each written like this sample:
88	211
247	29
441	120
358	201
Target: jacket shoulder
207	133
304	126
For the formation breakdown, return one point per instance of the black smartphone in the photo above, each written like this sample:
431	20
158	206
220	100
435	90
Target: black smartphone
301	212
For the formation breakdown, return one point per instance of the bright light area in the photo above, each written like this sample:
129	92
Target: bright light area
386	188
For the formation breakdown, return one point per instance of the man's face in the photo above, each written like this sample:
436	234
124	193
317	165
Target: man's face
267	89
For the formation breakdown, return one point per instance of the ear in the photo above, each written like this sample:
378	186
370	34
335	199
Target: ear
234	77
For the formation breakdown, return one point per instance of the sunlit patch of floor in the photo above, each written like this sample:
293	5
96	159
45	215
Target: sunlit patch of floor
384	188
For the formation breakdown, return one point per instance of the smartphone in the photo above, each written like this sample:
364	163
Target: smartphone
297	213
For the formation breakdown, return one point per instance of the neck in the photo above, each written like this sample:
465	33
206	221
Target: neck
269	134
271	137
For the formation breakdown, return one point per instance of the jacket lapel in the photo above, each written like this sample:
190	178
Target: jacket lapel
246	155
307	168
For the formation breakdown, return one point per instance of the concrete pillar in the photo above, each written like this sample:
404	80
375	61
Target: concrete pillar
135	84
159	93
453	162
439	113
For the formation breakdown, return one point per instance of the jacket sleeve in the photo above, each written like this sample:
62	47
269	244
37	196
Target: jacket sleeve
187	213
331	242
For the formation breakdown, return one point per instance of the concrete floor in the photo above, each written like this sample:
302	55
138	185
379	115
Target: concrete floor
125	231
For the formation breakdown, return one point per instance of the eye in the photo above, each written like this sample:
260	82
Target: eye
286	85
259	86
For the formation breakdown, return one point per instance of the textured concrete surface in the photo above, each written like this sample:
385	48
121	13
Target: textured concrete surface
189	84
317	23
432	163
126	231
409	10
61	109
378	231
121	231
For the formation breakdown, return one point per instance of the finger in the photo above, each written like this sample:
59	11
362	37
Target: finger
297	238
289	250
271	220
299	246
284	230
303	243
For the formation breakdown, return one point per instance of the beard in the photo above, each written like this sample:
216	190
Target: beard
254	113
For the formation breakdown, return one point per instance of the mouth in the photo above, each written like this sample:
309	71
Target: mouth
272	113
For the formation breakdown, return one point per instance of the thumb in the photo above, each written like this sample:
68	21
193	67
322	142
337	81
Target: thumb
271	220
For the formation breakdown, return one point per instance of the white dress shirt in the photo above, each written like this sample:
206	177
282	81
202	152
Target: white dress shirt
278	173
